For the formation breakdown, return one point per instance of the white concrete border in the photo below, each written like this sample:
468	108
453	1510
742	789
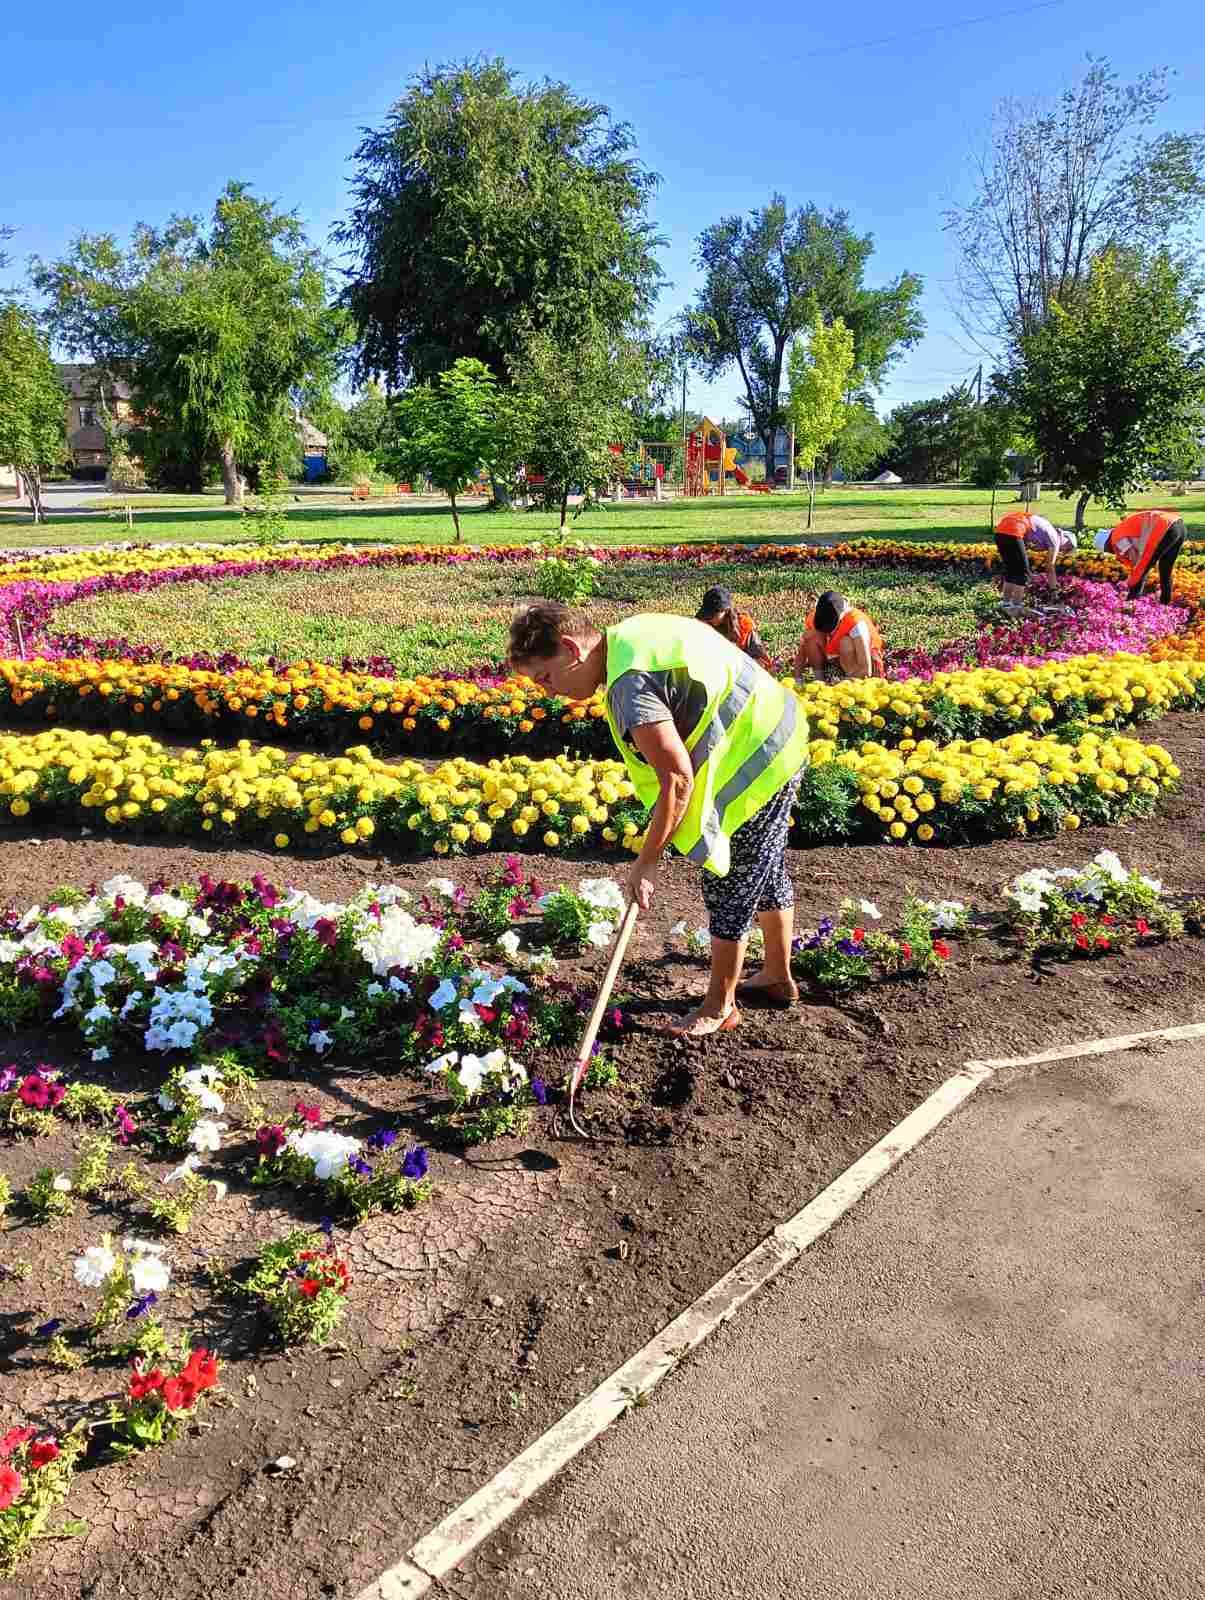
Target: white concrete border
450	1541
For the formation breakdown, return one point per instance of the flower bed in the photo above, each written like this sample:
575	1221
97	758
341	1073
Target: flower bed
962	790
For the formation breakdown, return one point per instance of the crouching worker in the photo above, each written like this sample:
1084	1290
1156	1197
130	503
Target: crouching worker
716	746
1016	535
1142	541
719	611
837	631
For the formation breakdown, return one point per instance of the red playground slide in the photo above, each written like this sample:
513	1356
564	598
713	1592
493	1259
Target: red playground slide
743	479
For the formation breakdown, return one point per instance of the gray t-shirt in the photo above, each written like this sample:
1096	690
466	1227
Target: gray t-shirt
637	699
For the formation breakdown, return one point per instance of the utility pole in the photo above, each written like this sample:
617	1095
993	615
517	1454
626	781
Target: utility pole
979	384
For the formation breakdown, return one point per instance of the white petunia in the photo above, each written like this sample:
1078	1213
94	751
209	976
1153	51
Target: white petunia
101	974
329	1151
149	1275
321	1040
508	943
374	991
126	888
345	1013
219	1189
185	1170
92	1269
207	1134
471	1072
600	934
869	909
604	893
441	1063
444	887
62	1184
167	905
134	1246
101	1053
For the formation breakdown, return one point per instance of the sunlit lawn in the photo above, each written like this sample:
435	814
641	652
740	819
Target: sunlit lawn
407	614
947	514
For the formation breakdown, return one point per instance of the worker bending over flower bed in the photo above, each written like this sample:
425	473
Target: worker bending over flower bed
716	746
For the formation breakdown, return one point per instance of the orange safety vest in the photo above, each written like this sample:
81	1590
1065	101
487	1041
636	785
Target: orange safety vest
1016	524
1130	530
847	624
745	628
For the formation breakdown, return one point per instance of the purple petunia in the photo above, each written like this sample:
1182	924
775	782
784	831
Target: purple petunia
539	1090
415	1164
141	1306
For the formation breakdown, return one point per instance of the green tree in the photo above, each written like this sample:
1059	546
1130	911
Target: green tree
932	441
581	400
765	279
818	372
1114	383
32	410
452	428
223	335
486	209
1060	183
863	442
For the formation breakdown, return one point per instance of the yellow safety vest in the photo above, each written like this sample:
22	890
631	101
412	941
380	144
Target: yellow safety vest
751	739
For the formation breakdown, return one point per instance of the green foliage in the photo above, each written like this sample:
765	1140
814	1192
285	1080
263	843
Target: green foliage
454	427
6	1194
302	1286
174	1211
568	570
32	413
577	400
484	208
43	1490
222	335
267	514
818	371
932	440
827	807
46	1196
767	277
88	1102
91	1176
1114	382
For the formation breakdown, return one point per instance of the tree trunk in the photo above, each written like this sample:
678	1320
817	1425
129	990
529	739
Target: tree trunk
811	495
768	439
32	479
1080	507
231	481
501	493
455	517
564	507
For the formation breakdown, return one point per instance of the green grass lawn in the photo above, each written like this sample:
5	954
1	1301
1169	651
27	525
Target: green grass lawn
405	614
946	514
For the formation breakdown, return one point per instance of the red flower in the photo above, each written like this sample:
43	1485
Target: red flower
43	1453
35	1091
14	1439
1141	927
906	951
1081	942
144	1383
179	1394
941	948
857	935
310	1287
1108	921
11	1484
1078	920
311	1114
201	1370
1102	941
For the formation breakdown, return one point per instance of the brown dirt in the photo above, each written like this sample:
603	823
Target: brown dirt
589	1248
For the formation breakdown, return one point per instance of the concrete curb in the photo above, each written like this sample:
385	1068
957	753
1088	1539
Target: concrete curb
426	1563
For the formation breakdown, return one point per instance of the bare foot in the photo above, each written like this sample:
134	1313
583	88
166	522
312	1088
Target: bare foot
700	1024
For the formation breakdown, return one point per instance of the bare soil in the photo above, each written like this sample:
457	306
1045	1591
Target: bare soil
540	1263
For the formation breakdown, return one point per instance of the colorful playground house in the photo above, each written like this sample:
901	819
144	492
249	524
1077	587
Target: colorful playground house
710	462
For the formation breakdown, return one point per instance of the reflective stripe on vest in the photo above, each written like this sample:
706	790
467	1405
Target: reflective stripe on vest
1131	528
751	737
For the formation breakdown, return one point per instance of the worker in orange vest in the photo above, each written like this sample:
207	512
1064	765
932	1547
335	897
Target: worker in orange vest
837	631
1144	540
719	612
1017	534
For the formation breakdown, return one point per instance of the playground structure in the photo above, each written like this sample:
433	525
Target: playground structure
711	461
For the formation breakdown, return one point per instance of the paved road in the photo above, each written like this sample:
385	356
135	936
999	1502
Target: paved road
986	1384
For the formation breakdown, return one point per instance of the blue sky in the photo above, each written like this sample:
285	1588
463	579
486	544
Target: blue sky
110	118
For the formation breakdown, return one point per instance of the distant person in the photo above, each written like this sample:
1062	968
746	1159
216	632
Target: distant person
1142	541
1017	534
719	611
838	632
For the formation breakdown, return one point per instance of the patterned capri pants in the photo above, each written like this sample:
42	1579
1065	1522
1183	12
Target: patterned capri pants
757	879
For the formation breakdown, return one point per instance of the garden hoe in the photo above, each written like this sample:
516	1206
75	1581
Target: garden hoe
596	1016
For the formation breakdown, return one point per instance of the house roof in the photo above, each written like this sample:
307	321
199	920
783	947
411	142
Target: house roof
79	380
312	438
